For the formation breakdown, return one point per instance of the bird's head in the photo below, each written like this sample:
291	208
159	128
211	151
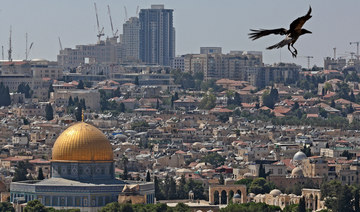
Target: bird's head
305	31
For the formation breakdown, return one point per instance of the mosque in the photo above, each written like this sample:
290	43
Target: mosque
82	174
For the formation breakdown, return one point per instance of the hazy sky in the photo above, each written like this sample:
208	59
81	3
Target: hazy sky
223	23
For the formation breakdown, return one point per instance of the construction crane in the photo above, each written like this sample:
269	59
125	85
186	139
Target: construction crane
27	50
357	48
334	53
100	32
61	48
111	23
126	15
137	10
308	60
10	47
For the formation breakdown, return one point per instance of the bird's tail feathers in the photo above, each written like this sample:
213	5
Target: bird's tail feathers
280	44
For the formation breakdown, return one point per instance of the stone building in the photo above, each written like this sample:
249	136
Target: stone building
82	174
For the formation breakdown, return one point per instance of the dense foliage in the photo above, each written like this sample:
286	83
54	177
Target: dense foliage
117	207
250	207
5	99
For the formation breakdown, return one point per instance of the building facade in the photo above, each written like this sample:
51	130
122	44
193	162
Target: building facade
157	35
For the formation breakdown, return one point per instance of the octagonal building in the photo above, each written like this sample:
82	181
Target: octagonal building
82	174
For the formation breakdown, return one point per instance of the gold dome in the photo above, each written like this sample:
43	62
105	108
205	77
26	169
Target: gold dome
82	142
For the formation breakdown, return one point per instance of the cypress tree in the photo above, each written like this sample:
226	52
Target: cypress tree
40	174
136	80
301	207
51	89
148	178
80	85
71	101
49	112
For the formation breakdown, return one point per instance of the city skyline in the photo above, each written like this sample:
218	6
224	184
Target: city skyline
196	26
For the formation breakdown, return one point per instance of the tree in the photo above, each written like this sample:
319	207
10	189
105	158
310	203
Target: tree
122	107
111	207
221	180
5	99
51	89
268	100
40	174
208	102
78	113
181	192
302	206
136	82
71	102
346	154
214	159
21	171
262	172
35	206
6	207
49	112
172	189
25	89
181	207
80	85
148	178
117	92
125	162
261	186
157	188
344	200
357	198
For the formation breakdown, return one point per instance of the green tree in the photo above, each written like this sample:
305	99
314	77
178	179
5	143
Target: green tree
71	102
125	161
6	207
49	113
80	85
78	113
260	186
344	200
50	90
221	180
40	174
35	206
117	92
21	171
181	207
157	188
5	99
111	207
214	159
208	102
148	178
181	192
122	107
250	207
302	206
136	82
357	198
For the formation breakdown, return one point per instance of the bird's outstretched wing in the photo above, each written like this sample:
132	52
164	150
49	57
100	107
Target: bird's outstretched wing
255	34
298	23
282	43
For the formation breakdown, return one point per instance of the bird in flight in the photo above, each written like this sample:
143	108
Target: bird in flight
292	34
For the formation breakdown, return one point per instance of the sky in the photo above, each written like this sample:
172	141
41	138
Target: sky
198	23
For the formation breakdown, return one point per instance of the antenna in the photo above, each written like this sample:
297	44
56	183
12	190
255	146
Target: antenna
308	60
10	48
61	48
112	27
2	52
126	15
100	32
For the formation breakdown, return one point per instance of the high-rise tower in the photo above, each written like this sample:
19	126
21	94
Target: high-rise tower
157	35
